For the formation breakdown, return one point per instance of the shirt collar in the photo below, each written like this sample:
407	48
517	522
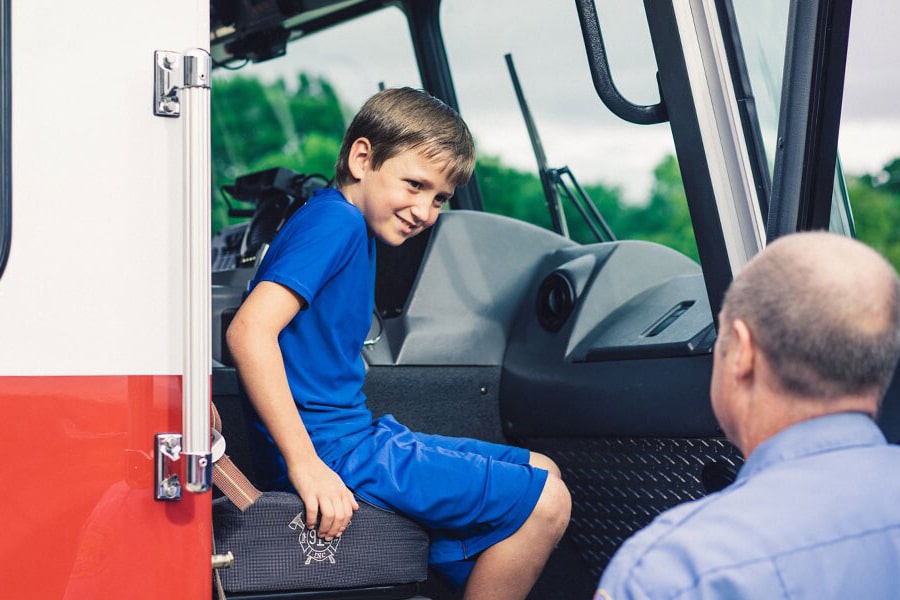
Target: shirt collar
822	434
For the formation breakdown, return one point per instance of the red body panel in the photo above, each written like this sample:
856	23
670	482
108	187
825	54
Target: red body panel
78	513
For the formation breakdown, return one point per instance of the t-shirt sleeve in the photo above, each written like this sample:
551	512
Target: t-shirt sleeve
312	247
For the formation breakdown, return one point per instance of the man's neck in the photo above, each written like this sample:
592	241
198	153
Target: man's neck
785	410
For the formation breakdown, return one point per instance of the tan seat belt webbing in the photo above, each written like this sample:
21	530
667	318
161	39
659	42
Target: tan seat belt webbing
227	477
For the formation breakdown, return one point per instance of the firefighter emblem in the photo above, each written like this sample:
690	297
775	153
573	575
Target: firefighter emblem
314	548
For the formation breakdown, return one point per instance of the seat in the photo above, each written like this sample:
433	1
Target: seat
382	554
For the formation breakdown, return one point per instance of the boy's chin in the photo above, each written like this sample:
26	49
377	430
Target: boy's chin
396	240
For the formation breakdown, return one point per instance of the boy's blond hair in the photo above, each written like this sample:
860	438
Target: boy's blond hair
401	119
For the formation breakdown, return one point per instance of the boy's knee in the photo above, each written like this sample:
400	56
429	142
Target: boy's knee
553	508
535	459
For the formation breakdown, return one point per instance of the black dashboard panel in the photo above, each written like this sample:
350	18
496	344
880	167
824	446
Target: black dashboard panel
632	355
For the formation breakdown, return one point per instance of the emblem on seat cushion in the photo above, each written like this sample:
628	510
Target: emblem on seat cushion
314	547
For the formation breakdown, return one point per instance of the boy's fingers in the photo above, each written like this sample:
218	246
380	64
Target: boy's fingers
346	514
326	526
312	513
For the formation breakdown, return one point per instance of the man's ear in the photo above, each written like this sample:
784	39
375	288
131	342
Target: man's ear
359	158
743	350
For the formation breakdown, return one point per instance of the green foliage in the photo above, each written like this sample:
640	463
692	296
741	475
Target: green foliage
510	192
876	210
316	108
663	219
258	125
239	107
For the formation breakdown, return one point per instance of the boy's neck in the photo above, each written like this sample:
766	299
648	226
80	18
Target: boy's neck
347	192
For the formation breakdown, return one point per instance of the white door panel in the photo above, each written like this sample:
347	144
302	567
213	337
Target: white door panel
93	282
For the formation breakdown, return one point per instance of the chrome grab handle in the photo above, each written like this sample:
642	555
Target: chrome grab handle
195	104
181	84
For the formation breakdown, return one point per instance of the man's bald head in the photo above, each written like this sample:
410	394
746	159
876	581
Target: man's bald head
824	310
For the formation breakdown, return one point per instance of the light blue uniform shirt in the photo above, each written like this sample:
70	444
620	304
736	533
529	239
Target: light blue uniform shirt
814	513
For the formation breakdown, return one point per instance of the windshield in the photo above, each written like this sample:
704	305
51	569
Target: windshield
629	170
292	111
763	30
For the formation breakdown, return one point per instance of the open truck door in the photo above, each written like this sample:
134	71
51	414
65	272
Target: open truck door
97	261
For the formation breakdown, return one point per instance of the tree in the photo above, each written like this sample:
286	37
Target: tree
875	202
258	126
510	192
663	219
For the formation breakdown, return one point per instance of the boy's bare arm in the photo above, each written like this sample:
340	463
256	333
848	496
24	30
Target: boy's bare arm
253	341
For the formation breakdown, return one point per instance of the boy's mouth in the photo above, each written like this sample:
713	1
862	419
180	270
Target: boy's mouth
407	226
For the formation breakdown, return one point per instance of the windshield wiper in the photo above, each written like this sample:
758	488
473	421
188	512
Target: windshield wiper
555	181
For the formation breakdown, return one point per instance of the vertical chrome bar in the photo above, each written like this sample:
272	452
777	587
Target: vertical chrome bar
197	271
721	130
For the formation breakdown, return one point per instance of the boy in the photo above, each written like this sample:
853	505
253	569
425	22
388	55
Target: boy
494	512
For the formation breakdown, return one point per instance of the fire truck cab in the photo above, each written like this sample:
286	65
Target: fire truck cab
115	295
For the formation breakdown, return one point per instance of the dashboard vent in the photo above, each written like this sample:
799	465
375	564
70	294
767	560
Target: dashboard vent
555	301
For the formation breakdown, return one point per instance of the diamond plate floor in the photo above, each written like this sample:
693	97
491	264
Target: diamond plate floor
619	485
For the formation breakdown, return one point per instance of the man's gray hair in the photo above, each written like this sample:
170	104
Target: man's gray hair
824	310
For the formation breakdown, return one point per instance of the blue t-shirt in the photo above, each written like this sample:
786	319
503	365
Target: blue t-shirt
814	513
324	254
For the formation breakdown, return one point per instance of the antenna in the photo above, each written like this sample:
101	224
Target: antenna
552	179
557	217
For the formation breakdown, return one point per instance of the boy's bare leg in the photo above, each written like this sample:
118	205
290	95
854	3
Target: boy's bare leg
543	462
509	569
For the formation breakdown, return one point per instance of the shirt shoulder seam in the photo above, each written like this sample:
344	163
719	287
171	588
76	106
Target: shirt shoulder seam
773	558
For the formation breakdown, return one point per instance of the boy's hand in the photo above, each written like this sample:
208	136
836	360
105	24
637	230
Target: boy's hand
324	494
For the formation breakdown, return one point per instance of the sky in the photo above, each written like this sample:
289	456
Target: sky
870	118
576	129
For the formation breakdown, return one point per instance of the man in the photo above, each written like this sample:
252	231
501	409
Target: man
809	335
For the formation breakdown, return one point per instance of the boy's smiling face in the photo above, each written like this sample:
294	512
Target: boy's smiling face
400	199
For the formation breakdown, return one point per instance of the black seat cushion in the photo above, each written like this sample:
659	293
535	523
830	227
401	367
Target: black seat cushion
273	550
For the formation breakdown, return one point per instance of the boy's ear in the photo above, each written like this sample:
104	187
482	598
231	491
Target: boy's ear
359	157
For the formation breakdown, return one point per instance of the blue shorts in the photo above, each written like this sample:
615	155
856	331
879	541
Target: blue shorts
467	493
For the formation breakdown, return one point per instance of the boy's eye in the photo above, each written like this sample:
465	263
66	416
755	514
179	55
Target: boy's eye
414	184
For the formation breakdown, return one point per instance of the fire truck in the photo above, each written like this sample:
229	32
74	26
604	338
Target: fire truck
114	294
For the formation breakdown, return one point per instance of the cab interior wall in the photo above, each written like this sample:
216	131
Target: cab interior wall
474	308
437	365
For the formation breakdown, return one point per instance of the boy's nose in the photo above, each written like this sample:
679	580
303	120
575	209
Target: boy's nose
421	212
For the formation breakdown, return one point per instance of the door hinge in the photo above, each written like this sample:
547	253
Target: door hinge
167	451
174	71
